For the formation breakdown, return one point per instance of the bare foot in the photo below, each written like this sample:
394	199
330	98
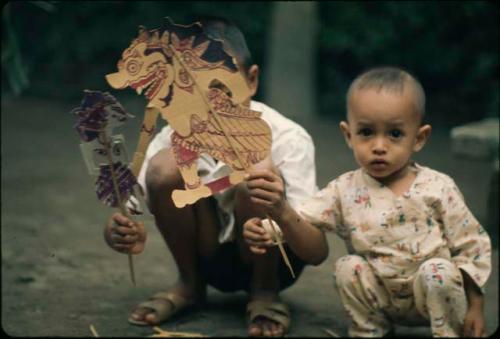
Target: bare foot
150	316
262	326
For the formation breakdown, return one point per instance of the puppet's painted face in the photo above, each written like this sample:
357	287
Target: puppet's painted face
173	56
142	70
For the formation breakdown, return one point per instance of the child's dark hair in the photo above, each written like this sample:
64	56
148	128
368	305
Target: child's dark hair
392	79
226	30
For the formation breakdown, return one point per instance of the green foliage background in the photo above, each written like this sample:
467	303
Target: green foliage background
451	47
56	49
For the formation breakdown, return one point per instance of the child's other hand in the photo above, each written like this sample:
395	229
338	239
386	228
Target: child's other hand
267	190
474	323
256	236
124	235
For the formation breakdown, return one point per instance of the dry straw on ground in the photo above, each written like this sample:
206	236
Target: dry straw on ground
161	333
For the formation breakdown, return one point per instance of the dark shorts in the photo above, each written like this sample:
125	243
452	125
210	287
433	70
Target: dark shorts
226	271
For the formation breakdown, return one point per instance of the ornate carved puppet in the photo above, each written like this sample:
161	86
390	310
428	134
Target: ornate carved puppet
197	87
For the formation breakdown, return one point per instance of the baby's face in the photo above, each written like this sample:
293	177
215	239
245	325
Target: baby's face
383	130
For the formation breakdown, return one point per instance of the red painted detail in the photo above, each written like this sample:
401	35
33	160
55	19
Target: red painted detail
219	184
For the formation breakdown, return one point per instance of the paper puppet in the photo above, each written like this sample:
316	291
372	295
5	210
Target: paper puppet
196	86
104	153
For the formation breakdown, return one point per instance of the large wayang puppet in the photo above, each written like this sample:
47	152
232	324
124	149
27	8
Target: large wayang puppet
197	87
195	84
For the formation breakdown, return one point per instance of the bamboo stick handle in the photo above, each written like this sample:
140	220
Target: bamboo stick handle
122	207
146	134
274	234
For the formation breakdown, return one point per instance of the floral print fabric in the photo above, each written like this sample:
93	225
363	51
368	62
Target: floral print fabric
397	234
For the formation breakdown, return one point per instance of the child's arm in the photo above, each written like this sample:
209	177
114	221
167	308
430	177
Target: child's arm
474	324
470	248
307	241
267	190
468	241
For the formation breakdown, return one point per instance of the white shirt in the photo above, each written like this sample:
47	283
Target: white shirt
292	152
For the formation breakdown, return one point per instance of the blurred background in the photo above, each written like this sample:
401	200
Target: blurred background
55	48
58	276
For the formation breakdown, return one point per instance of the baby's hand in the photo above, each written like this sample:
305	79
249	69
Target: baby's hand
256	236
124	235
474	324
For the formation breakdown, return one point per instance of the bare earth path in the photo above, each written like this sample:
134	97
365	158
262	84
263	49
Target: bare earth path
58	277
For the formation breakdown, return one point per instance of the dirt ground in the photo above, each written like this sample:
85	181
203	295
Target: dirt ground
59	277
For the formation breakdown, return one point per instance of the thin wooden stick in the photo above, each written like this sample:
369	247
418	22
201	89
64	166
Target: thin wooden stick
221	126
94	332
120	202
168	334
274	233
145	136
331	333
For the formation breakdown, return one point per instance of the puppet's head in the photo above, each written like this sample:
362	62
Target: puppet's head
195	83
164	64
97	112
146	65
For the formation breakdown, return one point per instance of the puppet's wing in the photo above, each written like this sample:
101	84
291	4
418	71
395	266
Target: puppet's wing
249	135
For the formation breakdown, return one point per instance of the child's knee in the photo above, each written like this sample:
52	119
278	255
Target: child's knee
347	268
439	274
162	173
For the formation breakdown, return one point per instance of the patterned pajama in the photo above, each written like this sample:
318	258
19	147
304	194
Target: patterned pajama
408	252
438	297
